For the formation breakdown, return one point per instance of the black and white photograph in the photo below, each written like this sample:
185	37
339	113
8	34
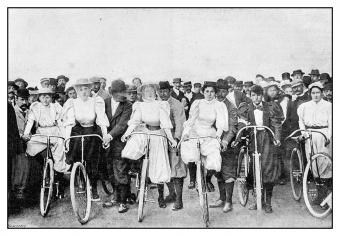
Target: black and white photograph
179	117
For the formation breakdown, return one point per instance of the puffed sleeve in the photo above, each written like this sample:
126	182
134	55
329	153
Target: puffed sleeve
101	119
193	114
300	113
136	115
31	117
68	117
164	115
221	118
276	118
59	113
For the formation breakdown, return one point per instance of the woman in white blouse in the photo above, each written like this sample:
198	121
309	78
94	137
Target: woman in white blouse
151	116
85	115
208	117
317	114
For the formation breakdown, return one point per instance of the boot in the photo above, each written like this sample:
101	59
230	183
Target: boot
210	186
269	193
172	195
229	203
178	183
161	201
192	175
95	196
221	201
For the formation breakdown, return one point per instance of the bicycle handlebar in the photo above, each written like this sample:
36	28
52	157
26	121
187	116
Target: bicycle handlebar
48	136
83	136
159	135
305	130
255	127
200	137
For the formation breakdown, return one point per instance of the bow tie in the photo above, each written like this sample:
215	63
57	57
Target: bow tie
259	107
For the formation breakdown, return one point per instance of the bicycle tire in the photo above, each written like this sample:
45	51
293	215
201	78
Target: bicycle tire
258	185
307	173
75	182
242	190
202	192
142	186
107	187
296	175
46	190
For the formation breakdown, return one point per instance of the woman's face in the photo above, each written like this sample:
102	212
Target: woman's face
45	99
83	92
149	93
288	90
316	94
209	93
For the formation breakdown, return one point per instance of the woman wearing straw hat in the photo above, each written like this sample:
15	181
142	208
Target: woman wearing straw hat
85	115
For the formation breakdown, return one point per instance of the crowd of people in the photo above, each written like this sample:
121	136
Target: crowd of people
214	110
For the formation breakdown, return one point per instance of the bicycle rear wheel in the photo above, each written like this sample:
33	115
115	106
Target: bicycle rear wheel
142	186
46	188
296	173
202	192
243	167
80	191
315	189
107	187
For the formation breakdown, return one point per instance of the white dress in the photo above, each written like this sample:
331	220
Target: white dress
312	114
48	120
152	113
204	115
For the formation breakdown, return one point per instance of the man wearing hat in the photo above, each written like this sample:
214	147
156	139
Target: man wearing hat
297	74
238	86
315	75
178	168
234	96
246	88
97	90
328	92
61	82
118	111
21	83
53	84
286	76
12	89
258	78
197	90
175	92
300	92
131	93
45	82
325	78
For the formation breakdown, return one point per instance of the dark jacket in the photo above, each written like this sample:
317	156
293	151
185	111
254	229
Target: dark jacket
232	122
240	97
118	125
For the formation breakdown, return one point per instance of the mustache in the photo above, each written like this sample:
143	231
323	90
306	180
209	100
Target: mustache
24	107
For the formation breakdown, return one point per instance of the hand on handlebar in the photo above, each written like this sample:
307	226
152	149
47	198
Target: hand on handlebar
224	145
234	144
107	139
124	138
173	143
277	143
26	137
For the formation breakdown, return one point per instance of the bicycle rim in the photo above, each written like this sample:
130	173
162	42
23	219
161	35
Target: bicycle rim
314	192
296	174
80	193
46	188
242	190
202	192
141	196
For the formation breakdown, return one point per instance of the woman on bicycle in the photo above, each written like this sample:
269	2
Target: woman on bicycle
85	115
317	115
263	114
46	116
205	115
153	117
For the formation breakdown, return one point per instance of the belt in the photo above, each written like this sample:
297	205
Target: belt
46	126
151	127
316	127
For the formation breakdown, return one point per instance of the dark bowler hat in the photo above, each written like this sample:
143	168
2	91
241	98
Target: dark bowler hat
63	77
230	80
118	86
285	75
257	89
22	80
187	83
325	76
197	85
328	86
295	72
314	72
12	83
23	93
177	80
248	83
164	85
222	84
53	81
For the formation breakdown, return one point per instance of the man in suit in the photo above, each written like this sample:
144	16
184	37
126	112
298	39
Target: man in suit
118	111
297	74
234	96
179	95
97	90
328	92
62	81
286	76
246	88
238	86
314	75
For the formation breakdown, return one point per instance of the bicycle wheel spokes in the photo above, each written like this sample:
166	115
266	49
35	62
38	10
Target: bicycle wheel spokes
46	188
296	174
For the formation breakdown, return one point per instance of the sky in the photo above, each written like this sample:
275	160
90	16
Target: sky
160	44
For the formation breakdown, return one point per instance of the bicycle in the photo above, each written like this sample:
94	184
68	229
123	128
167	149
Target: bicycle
257	173
201	187
80	183
46	190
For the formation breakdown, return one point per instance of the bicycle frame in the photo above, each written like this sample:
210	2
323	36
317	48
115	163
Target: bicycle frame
48	137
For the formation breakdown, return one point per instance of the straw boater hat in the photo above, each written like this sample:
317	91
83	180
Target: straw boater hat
48	91
82	82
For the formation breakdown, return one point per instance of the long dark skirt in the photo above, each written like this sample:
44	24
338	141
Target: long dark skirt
92	150
269	161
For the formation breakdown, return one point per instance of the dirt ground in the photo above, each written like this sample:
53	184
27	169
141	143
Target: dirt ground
286	213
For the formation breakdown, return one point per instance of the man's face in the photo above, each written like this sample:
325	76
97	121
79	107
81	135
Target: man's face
72	94
96	87
119	97
328	94
11	97
238	87
315	78
10	89
288	90
164	94
45	84
247	88
131	96
188	88
256	98
61	82
22	103
197	89
20	84
177	85
52	86
298	90
221	94
297	76
103	84
272	91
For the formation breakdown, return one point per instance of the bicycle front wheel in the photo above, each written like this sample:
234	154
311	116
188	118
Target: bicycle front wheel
46	188
141	195
315	188
80	191
296	173
243	167
202	192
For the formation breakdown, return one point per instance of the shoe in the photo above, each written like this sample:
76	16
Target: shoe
191	185
130	201
177	207
268	209
161	203
123	208
210	187
95	197
227	207
170	198
110	203
217	203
